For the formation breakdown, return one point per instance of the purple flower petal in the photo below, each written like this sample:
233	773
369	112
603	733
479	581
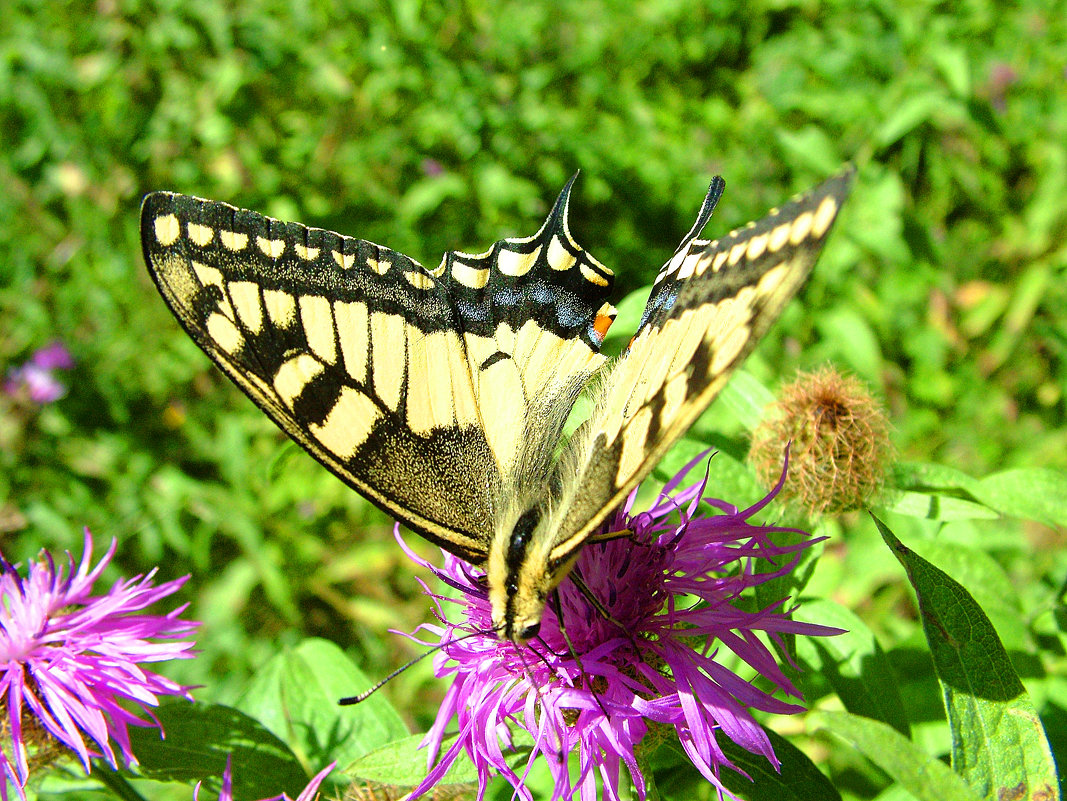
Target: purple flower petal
674	586
70	658
35	378
53	356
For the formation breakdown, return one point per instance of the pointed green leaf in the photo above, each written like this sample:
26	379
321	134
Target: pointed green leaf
927	477
1031	493
924	776
999	743
854	664
990	586
934	506
907	115
797	780
727	477
198	739
296	696
402	763
747	398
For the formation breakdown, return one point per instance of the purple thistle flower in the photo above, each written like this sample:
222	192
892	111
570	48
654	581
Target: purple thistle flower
672	591
308	793
53	356
36	377
68	659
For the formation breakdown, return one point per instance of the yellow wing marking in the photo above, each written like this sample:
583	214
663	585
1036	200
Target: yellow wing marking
167	229
271	248
233	240
353	320
246	299
281	307
344	260
388	347
348	424
318	324
200	235
294	375
559	258
470	277
516	264
306	253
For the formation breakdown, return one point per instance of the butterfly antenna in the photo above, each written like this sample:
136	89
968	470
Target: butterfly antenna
352	700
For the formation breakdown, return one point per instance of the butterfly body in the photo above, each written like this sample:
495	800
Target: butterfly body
441	394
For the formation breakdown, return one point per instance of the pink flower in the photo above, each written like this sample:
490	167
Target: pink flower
37	376
673	593
308	793
70	659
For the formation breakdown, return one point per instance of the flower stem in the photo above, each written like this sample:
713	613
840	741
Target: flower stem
115	782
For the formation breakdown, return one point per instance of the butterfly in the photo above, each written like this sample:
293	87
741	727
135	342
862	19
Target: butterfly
440	394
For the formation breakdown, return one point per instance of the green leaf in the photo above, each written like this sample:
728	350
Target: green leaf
990	585
811	147
908	115
402	763
747	398
922	775
999	744
628	313
954	65
797	780
727	477
934	506
927	477
424	196
199	737
1032	493
854	341
854	664
296	696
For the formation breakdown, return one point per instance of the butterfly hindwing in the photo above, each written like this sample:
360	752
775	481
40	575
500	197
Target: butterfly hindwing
709	307
407	383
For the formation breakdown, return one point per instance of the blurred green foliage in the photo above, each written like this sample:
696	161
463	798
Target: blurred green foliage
434	126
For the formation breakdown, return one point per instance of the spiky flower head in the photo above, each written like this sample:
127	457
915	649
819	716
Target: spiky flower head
838	438
673	593
72	663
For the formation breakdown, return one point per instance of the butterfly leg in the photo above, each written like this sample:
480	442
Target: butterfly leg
590	596
608	536
570	647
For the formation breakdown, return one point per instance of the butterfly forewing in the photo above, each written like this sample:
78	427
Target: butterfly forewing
422	389
709	307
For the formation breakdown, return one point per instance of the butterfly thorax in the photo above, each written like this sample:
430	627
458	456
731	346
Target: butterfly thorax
521	574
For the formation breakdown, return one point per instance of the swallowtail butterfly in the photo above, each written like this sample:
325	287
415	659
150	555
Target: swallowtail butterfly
440	394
